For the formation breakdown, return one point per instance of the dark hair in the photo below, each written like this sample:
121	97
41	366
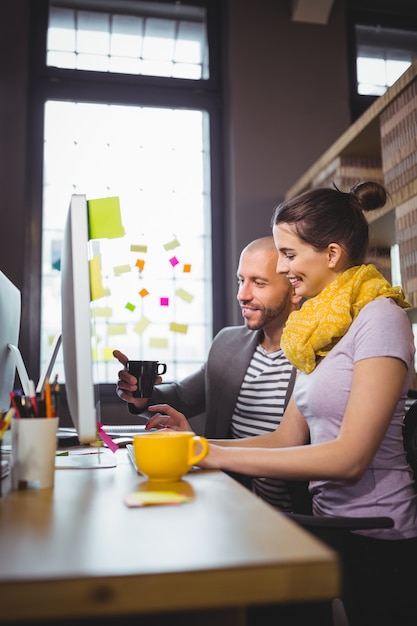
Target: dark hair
324	216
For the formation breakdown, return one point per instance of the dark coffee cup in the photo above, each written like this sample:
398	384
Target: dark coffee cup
145	373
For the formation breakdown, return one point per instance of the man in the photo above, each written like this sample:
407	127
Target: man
245	384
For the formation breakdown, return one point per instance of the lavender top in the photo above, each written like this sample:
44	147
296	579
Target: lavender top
381	329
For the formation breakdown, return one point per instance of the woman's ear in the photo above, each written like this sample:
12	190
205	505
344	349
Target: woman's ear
334	255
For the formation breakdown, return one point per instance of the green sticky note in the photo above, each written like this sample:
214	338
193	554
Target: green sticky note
104	218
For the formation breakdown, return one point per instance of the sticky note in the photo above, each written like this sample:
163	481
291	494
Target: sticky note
174	261
171	245
96	286
130	306
148	498
187	267
164	301
184	295
116	329
158	342
142	325
101	311
121	269
138	248
140	263
143	292
178	328
107	354
104	218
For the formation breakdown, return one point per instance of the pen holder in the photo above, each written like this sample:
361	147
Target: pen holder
34	445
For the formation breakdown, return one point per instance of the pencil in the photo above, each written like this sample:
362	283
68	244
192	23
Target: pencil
48	400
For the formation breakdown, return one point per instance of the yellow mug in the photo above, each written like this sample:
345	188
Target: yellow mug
167	455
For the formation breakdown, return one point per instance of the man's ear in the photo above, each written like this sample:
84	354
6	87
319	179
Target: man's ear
334	255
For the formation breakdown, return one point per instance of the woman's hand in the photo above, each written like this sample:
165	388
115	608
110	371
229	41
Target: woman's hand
167	417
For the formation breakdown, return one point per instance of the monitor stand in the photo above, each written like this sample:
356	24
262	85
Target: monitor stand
85	459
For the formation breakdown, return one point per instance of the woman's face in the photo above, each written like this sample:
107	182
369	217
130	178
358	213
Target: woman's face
308	271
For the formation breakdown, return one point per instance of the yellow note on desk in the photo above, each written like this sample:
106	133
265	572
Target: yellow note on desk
149	498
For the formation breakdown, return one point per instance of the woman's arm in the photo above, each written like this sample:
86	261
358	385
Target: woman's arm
376	387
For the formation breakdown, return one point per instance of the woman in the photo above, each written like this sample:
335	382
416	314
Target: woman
353	345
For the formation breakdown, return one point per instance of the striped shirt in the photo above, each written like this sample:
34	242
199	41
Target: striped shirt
259	409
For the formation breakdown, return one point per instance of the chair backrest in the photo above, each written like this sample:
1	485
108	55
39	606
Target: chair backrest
410	437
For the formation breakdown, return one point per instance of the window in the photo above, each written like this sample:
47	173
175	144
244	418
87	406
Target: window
381	47
154	40
382	55
122	119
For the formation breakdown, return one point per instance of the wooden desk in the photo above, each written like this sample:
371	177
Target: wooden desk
78	550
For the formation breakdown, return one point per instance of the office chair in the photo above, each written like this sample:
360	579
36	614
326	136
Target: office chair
410	438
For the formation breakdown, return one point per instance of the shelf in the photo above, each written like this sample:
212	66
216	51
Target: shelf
361	139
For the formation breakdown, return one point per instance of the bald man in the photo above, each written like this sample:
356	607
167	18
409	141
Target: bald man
246	382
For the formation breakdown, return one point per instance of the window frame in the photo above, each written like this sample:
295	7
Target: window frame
401	21
49	83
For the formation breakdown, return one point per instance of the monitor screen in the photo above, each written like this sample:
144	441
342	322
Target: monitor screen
76	321
10	310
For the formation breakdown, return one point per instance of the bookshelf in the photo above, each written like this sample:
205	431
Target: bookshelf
380	145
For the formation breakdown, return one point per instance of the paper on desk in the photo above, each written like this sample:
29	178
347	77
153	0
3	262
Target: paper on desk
149	498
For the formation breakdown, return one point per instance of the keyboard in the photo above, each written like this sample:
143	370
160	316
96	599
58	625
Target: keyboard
123	430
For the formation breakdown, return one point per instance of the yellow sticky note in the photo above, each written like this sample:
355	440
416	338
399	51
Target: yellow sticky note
170	245
149	498
142	325
138	248
158	342
96	286
101	311
121	269
178	328
184	295
104	218
116	329
107	354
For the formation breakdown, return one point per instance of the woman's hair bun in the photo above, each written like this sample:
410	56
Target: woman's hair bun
369	195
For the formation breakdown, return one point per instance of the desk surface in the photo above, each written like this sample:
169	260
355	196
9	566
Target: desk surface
78	549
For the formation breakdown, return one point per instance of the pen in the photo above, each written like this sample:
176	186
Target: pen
32	398
14	404
56	395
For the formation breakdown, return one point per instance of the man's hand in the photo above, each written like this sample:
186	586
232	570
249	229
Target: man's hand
167	417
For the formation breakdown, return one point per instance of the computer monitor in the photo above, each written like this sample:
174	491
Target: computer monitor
76	321
10	311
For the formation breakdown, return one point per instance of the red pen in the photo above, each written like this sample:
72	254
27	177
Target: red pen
14	405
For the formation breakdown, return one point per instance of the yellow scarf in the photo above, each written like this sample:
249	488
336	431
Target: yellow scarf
322	321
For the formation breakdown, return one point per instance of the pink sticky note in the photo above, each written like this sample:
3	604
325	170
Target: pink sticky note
164	301
105	438
174	261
